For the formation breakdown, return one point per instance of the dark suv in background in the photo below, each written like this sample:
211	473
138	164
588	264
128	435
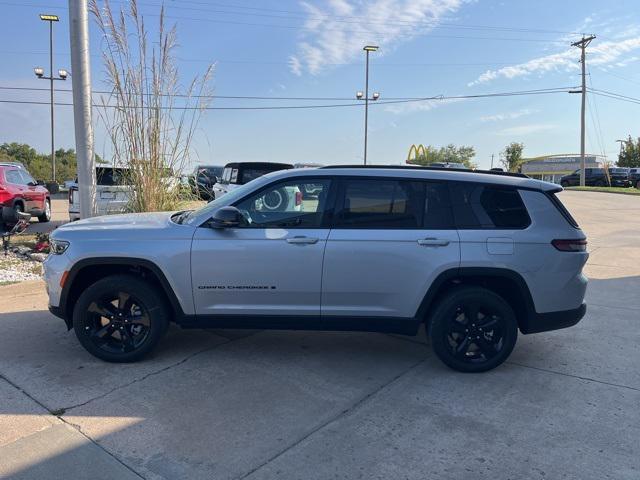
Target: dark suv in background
202	180
597	177
239	173
634	177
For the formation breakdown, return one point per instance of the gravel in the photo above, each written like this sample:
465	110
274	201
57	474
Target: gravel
16	269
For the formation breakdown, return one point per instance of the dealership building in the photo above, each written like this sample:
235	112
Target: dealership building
552	167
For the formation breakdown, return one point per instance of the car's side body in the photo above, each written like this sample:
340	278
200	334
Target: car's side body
616	177
634	177
19	190
335	275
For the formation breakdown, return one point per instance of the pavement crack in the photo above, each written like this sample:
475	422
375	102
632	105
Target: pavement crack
635	389
65	410
334	419
112	455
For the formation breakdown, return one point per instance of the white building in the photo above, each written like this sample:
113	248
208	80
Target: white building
552	167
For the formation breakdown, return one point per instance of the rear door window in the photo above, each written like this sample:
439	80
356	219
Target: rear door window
380	204
478	206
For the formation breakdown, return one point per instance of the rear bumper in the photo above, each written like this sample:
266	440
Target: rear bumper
545	322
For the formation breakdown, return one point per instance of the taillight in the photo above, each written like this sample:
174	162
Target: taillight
579	245
298	198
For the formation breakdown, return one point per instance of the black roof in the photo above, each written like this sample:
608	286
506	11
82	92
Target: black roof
259	164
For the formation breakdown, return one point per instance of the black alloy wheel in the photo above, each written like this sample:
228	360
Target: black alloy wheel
473	329
120	318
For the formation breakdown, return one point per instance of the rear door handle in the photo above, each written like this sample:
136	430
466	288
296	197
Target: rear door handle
302	240
433	242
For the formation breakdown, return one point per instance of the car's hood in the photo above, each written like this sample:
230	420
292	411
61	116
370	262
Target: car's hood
130	221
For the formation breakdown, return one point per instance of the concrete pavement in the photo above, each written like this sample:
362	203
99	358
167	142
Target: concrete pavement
261	405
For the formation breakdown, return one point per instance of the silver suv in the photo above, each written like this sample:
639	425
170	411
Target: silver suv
475	256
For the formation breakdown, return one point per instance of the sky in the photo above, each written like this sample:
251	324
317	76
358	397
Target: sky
313	48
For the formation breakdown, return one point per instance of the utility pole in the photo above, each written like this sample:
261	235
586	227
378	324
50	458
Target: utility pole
492	155
582	44
79	35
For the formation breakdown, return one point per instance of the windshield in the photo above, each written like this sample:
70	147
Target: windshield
618	170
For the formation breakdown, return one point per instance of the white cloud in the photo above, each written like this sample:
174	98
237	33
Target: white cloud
330	39
600	53
420	106
295	66
523	130
499	117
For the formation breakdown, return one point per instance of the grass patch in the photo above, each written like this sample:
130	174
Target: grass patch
5	283
621	190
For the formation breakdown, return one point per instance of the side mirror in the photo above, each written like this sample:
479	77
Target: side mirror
226	217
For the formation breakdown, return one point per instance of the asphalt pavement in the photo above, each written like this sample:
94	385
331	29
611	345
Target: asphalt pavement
309	405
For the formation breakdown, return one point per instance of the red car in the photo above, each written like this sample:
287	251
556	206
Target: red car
19	192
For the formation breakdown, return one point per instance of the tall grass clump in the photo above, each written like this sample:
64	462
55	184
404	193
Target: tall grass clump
150	117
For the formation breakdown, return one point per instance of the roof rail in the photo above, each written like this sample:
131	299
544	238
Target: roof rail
440	169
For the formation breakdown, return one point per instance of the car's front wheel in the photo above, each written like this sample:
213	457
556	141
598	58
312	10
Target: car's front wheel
564	184
472	329
120	318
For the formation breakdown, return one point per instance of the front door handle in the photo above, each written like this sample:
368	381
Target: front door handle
433	242
302	240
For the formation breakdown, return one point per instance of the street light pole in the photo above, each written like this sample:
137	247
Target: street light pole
367	49
53	150
62	75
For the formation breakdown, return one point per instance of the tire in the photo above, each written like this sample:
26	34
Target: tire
564	184
276	200
13	219
46	216
120	318
451	329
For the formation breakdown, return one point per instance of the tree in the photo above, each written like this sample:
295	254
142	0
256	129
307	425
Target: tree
448	154
150	117
629	155
512	157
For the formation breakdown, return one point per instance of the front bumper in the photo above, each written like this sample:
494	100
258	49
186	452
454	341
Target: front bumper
545	322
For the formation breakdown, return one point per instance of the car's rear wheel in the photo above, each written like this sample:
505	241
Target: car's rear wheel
472	329
46	215
120	318
564	184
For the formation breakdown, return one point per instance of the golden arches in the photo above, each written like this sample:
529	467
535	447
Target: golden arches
417	151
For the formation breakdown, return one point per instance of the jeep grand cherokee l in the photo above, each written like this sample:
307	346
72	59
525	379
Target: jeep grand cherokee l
475	256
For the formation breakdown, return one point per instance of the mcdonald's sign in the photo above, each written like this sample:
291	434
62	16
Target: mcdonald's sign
415	152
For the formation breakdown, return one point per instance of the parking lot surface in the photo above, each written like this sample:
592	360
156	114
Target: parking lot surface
310	405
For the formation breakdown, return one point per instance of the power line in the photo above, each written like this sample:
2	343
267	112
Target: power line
263	62
300	14
348	99
306	107
302	27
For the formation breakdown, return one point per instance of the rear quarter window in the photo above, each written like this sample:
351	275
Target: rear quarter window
478	206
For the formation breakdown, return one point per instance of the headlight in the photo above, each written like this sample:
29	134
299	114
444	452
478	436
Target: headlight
58	247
